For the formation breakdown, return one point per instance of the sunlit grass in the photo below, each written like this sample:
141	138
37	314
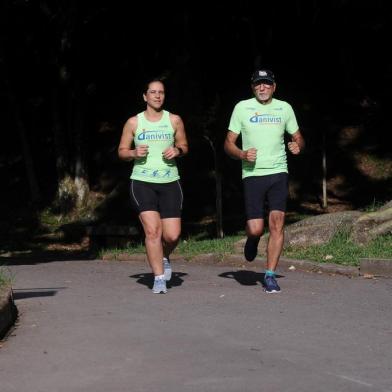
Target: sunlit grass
188	247
192	247
340	250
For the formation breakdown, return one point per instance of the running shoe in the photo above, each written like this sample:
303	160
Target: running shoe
167	269
250	248
270	284
159	286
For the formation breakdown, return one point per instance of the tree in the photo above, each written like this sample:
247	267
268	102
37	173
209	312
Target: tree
67	116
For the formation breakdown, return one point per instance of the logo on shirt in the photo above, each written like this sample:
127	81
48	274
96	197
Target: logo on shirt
265	119
154	135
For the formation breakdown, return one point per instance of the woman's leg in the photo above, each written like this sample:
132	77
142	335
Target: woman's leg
171	230
152	225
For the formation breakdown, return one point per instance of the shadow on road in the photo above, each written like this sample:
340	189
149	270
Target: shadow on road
245	277
34	293
148	279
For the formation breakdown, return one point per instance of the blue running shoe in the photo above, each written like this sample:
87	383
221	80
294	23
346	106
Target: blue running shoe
250	248
159	286
167	269
270	285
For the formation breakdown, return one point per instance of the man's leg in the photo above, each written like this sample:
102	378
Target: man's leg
254	230
274	250
254	193
276	238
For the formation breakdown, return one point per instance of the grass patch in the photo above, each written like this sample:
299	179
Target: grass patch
133	249
222	246
188	248
5	280
340	250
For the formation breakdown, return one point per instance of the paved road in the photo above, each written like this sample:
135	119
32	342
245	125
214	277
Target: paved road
95	326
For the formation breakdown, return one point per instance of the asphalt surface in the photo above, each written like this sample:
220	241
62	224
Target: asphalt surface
95	326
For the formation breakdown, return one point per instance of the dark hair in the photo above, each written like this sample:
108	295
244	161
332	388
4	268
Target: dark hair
157	79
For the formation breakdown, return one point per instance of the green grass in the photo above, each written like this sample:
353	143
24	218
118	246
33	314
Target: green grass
4	278
188	247
340	250
192	247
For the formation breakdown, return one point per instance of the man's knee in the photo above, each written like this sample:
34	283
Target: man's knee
276	221
255	228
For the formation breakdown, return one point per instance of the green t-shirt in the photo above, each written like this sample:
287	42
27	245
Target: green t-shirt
158	135
263	127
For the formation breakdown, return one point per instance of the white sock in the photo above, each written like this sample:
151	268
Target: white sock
159	277
165	259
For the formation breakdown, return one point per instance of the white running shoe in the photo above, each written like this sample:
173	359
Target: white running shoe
167	269
159	286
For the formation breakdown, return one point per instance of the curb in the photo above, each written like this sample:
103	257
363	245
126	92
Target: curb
376	267
8	311
286	264
238	260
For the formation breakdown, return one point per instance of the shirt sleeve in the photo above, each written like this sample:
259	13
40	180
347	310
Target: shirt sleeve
235	121
291	122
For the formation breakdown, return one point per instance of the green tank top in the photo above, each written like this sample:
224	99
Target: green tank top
158	135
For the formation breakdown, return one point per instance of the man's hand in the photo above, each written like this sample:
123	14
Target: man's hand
249	155
294	148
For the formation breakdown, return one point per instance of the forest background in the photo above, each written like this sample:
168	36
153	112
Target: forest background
72	73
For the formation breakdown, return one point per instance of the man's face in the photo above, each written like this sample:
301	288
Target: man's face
263	90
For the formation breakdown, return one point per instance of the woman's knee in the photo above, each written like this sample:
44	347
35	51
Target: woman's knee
153	233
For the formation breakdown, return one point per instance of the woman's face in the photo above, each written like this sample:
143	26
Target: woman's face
155	95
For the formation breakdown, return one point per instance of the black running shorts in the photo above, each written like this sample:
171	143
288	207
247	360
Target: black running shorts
164	198
265	193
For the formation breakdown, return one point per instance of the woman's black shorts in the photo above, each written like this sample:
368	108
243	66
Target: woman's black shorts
163	198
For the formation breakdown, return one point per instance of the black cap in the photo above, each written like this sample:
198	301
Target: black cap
263	75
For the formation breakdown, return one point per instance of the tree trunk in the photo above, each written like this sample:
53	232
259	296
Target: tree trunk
81	179
27	156
218	191
325	200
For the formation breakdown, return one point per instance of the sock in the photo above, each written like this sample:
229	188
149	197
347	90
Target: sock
269	272
157	277
165	259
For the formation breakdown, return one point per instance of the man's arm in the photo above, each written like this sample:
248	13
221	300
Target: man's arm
233	151
297	144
